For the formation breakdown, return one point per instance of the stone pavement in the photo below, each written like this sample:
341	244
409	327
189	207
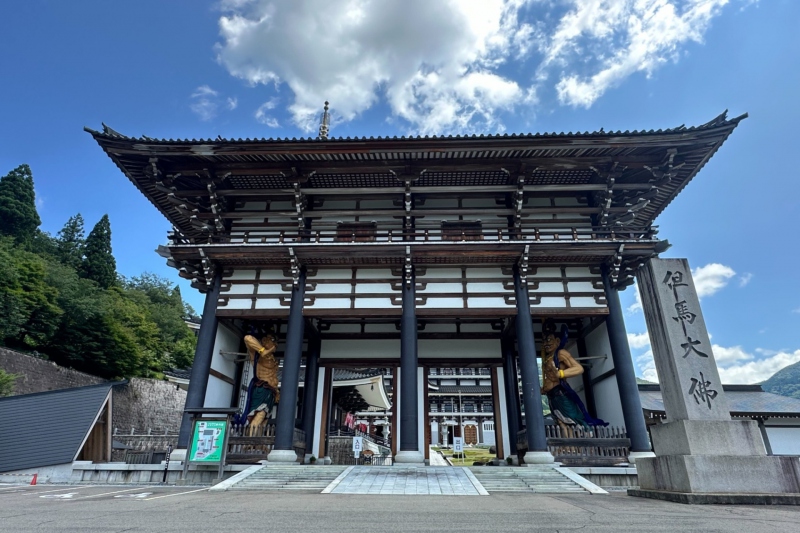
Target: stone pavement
157	509
437	459
409	480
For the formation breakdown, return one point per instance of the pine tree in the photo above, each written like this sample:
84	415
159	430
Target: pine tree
70	242
98	263
18	216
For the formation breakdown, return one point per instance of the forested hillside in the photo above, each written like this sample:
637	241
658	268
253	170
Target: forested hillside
785	382
61	296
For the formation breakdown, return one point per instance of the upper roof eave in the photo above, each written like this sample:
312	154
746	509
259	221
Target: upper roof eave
721	121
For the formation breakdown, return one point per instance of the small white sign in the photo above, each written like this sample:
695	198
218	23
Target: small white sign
358	445
458	444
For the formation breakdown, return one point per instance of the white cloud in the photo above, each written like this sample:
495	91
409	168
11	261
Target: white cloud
735	364
638	340
709	279
636	306
647	365
621	38
265	118
745	278
206	103
440	65
435	62
797	310
756	370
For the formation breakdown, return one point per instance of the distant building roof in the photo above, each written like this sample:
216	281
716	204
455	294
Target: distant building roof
48	428
745	400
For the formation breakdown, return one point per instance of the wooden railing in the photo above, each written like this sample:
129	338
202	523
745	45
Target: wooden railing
328	236
246	446
577	446
139	448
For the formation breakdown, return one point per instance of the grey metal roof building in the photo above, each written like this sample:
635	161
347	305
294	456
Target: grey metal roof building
745	401
49	428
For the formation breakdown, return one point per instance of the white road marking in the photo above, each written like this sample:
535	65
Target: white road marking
176	494
46	491
67	496
12	487
140	495
107	493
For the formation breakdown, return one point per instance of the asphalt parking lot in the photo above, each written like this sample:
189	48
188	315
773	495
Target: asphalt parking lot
74	508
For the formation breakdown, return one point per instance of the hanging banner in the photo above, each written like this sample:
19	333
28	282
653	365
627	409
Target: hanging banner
208	440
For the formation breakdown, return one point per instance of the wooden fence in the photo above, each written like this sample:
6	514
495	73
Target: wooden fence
139	448
578	446
248	445
244	446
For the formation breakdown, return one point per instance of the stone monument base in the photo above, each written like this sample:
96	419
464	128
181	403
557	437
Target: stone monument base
720	474
715	461
717	497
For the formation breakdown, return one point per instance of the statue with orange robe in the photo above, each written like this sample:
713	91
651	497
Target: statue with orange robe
264	393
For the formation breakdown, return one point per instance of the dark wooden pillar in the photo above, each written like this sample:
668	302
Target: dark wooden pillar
623	369
529	368
204	352
283	450
409	413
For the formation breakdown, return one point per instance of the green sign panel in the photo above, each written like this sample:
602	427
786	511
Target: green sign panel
209	438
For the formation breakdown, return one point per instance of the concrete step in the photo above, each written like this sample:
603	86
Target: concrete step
530	479
298	478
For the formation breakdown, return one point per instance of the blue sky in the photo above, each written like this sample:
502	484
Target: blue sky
260	68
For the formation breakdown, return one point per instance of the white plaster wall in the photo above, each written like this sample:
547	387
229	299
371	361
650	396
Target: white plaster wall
606	392
218	393
784	441
367	349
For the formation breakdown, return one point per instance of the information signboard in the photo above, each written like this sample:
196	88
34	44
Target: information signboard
458	444
358	445
208	441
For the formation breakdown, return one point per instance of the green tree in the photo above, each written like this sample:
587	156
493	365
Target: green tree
166	309
26	292
99	264
18	216
7	383
12	315
70	242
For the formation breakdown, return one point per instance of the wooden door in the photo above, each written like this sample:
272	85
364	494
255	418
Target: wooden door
471	435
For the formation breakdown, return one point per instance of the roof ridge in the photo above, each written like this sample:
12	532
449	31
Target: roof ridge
719	120
109	384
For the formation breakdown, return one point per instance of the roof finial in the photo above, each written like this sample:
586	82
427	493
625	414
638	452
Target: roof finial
324	123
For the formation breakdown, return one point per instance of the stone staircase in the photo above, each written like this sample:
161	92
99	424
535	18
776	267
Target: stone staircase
292	477
539	479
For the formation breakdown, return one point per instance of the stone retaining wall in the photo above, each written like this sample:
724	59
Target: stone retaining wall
143	404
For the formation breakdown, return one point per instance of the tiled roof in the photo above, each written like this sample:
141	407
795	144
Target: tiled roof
720	120
743	400
47	428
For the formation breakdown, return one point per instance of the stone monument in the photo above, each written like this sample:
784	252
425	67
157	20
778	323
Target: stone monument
702	455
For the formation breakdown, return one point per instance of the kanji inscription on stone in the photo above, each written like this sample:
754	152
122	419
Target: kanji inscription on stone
701	391
687	371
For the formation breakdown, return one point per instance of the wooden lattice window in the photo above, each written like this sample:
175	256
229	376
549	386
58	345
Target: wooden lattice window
356	231
461	230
